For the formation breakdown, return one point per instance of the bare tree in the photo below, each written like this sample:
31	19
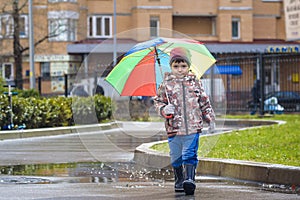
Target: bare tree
18	48
17	45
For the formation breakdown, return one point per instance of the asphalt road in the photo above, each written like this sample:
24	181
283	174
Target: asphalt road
111	146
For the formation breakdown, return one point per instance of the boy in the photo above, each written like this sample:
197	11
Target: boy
185	112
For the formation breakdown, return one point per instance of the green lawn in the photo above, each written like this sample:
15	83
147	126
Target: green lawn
278	144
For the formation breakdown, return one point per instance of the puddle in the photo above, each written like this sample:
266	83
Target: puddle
99	172
23	180
81	172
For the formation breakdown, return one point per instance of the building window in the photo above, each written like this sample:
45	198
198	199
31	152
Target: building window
235	25
23	23
7	71
213	26
154	26
62	29
100	26
62	25
7	26
45	69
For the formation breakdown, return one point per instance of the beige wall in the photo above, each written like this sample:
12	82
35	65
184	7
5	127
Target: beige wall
193	25
265	28
224	27
231	3
269	8
192	7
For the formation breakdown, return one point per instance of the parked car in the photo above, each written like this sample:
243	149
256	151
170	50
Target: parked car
289	100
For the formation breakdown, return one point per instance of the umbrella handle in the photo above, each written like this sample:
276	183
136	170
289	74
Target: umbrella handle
161	72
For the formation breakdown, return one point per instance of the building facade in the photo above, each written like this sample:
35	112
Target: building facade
79	34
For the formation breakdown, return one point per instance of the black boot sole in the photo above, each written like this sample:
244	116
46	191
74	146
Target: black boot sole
179	190
189	188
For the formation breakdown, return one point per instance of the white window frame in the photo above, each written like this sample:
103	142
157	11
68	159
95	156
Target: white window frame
45	69
9	26
237	21
154	30
214	27
11	71
26	25
62	19
92	26
64	27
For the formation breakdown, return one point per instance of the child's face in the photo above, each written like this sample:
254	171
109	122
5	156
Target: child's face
179	69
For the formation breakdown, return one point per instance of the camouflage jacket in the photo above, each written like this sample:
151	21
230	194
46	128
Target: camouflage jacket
192	105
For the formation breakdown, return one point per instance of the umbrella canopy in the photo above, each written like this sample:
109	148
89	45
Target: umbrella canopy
140	71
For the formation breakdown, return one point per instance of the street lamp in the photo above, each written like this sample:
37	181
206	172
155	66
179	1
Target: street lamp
31	47
115	34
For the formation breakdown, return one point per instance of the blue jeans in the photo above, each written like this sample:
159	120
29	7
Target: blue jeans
183	149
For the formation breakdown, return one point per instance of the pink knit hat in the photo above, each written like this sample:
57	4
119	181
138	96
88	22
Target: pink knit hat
180	53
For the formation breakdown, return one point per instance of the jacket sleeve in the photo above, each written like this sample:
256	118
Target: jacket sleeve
160	101
208	113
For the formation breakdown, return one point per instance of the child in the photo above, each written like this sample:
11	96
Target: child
185	112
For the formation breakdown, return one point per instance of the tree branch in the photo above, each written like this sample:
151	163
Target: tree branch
40	41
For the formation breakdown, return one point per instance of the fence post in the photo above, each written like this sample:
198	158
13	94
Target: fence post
262	83
40	85
66	85
212	86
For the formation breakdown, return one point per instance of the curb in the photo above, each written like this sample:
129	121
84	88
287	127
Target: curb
237	169
27	133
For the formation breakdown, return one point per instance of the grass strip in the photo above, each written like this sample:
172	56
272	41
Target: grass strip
278	144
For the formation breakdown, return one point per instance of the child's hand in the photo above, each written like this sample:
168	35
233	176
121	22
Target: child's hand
169	109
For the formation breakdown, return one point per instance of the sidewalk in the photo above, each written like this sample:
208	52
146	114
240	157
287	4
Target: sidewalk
27	133
244	170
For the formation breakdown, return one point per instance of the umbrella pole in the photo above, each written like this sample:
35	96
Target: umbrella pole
161	72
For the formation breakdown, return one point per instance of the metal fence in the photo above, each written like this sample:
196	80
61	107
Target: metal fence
278	75
229	82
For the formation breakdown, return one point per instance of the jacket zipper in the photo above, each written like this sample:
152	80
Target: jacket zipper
184	109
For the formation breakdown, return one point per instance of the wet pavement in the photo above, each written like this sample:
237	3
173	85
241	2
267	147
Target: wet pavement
98	165
135	190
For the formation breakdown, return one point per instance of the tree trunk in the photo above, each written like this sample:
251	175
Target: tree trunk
17	46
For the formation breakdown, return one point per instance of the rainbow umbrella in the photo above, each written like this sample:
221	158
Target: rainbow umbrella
141	69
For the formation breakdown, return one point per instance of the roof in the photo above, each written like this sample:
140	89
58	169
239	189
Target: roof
252	48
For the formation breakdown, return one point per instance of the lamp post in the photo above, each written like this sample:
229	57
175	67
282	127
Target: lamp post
115	34
31	47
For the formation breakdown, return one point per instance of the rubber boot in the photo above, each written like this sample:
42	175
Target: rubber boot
178	175
189	185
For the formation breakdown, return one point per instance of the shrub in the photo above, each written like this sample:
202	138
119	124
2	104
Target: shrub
36	112
90	110
4	111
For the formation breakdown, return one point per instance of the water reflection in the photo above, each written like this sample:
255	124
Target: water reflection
99	172
85	172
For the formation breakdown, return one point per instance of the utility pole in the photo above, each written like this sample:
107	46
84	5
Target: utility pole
115	34
31	46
